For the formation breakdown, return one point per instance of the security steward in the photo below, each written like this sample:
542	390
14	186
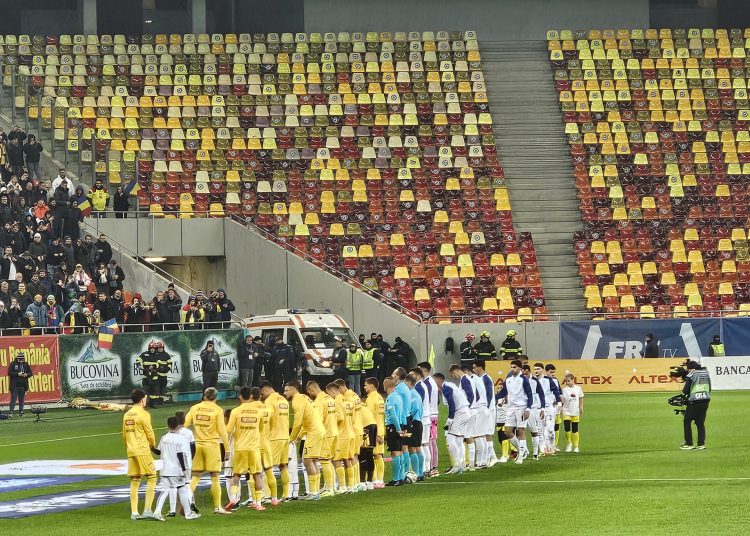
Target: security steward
163	367
697	388
369	364
149	363
354	359
716	348
484	349
511	348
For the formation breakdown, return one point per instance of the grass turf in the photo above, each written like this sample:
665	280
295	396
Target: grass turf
630	478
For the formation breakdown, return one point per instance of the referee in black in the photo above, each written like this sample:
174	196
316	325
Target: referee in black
697	389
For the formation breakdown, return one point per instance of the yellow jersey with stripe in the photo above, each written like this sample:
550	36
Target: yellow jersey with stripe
244	425
366	416
345	417
207	420
376	405
279	422
326	407
307	421
137	432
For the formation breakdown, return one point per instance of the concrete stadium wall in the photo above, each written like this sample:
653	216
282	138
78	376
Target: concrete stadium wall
494	20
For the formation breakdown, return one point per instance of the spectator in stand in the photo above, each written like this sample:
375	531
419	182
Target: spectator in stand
72	226
6	210
33	152
193	314
153	310
67	247
61	196
89	326
119	303
84	252
101	279
75	322
54	314
40	209
173	306
81	278
96	320
55	255
15	156
23	298
102	251
4	319
26	266
61	178
223	308
5	291
8	264
115	276
136	315
99	199
33	287
38	311
38	250
121	203
106	308
14	316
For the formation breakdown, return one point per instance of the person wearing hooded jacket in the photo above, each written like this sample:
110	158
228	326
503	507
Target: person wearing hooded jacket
468	353
484	349
210	365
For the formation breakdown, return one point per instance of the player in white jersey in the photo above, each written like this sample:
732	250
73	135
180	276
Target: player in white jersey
550	373
175	472
552	402
458	417
421	388
572	410
481	417
535	422
433	392
517	392
500	423
462	375
487	420
187	433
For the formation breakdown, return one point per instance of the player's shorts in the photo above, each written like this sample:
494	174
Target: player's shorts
172	482
572	418
471	424
247	461
485	424
514	416
368	437
500	414
313	446
207	459
141	466
339	448
392	439
265	456
433	427
406	440
426	428
415	440
379	449
535	423
279	451
549	416
459	424
354	445
328	449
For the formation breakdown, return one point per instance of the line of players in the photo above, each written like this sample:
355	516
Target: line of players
342	436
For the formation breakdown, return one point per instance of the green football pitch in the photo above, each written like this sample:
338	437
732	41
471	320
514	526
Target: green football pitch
630	478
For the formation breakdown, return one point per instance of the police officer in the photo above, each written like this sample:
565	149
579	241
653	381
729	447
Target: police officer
163	368
468	354
338	360
354	359
149	364
484	349
698	390
716	348
511	348
283	364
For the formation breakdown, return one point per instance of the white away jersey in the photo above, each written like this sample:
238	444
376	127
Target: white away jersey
170	445
572	400
432	393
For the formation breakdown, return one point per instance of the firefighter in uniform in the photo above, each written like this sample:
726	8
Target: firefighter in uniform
164	366
716	348
484	349
468	354
148	362
368	364
511	348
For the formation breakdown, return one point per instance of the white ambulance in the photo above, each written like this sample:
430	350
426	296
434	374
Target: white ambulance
312	332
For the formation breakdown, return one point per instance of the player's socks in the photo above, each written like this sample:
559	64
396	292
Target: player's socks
134	485
185	498
350	482
216	491
228	486
426	461
285	482
161	500
233	493
341	476
535	444
481	449
575	440
150	492
326	469
420	464
472	450
194	482
433	453
379	469
568	436
505	446
173	500
271	483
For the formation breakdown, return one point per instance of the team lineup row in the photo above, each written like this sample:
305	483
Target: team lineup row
343	438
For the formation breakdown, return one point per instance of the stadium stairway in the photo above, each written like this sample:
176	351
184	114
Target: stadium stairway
536	159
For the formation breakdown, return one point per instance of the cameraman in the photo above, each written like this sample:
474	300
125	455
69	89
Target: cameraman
697	389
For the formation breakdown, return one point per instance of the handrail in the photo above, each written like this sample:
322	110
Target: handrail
142	260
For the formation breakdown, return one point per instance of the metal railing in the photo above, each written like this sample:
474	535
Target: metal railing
156	327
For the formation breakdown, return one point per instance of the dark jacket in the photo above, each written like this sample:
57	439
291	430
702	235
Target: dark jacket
62	199
245	356
468	354
135	315
283	361
121	202
169	310
223	308
4	319
17	367
102	252
210	361
651	349
107	309
33	152
115	283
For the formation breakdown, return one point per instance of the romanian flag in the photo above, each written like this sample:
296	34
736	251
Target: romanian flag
132	188
107	332
85	207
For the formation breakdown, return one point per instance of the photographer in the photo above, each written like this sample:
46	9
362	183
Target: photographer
697	389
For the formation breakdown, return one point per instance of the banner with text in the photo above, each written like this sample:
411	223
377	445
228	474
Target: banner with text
728	372
89	370
736	335
42	353
609	375
618	339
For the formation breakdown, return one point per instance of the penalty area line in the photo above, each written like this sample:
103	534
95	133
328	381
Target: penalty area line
594	480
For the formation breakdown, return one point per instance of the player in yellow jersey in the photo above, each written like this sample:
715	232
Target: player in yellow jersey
207	420
278	434
307	424
369	436
341	456
376	405
244	425
269	480
356	443
139	439
326	407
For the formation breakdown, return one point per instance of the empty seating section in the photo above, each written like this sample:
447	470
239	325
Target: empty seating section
370	154
657	122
